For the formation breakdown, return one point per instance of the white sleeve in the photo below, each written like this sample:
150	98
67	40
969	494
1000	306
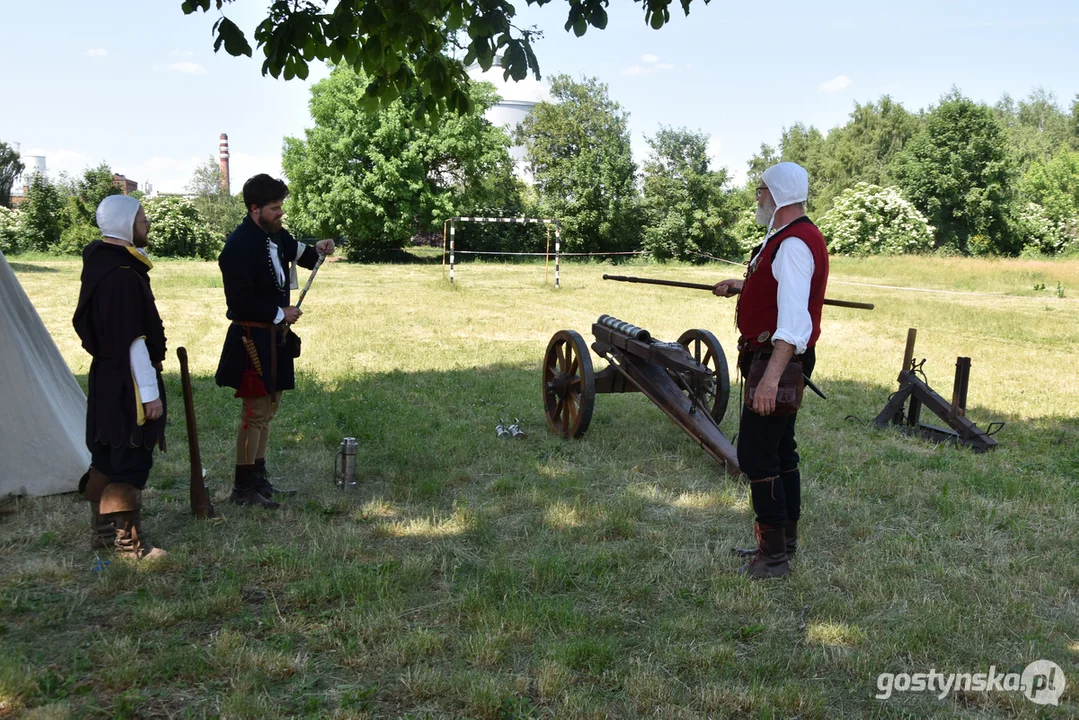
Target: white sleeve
143	370
280	316
300	247
793	270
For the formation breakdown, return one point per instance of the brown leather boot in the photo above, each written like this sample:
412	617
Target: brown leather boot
771	558
122	503
262	482
102	530
245	490
792	543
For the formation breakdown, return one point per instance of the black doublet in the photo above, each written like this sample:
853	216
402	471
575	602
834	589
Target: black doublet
254	295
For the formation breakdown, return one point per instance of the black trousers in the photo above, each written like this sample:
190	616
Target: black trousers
768	455
129	465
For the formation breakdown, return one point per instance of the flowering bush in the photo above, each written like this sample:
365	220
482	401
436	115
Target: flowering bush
10	229
178	230
1039	233
870	220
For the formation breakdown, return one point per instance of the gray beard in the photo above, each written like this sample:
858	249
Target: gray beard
765	213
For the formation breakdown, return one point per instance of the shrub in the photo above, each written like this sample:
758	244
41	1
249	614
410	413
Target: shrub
1038	232
871	220
10	230
178	230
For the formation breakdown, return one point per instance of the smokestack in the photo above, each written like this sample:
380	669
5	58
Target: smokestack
223	148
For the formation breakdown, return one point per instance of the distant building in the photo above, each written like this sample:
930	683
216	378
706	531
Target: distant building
33	165
517	101
126	186
223	161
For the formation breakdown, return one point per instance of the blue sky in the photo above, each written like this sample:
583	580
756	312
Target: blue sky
137	84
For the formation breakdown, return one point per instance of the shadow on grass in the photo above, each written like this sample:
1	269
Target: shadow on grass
24	267
461	559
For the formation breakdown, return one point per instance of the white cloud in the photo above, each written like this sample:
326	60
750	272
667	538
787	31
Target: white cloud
181	53
836	84
97	52
650	68
188	68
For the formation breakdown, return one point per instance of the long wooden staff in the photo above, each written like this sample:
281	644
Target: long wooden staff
701	286
303	293
201	506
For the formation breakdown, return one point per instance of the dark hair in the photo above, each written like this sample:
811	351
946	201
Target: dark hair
262	190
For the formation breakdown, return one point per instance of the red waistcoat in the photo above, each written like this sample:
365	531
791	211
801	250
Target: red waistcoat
758	307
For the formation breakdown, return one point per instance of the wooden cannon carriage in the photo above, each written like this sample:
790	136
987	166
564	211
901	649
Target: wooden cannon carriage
688	380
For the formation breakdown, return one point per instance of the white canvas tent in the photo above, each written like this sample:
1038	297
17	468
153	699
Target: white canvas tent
43	417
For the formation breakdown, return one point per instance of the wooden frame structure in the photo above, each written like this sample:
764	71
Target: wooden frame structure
960	430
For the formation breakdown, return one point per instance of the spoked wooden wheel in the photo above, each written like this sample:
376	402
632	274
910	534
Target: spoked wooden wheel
569	384
705	349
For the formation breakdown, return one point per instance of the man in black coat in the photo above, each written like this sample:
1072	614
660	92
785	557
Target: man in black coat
258	271
118	323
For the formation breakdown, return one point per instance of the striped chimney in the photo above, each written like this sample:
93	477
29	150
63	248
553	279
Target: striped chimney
223	158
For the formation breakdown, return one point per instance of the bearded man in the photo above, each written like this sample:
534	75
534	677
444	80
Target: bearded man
257	360
778	316
118	323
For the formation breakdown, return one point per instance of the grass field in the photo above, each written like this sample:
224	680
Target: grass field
468	576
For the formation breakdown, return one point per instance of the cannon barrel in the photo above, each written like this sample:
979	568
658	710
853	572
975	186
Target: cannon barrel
625	328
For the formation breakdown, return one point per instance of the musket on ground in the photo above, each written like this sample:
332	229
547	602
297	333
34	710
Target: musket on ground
201	506
702	286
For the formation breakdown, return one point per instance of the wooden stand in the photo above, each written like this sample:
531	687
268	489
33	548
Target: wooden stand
962	431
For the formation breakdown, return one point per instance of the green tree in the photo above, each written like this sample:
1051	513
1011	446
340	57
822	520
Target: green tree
578	150
863	150
95	185
10	168
959	174
178	230
43	216
403	47
1037	127
685	205
870	219
379	178
1055	185
221	211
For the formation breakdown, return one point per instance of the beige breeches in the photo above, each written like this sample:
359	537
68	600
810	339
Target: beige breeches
253	433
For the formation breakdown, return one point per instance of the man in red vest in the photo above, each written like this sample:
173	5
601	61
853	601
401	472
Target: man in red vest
778	315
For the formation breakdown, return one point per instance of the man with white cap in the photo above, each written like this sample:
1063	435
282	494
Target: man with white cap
118	323
778	316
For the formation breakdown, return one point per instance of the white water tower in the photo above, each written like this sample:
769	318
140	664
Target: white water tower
32	165
518	99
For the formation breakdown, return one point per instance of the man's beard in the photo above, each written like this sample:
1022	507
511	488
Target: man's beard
140	241
765	212
270	226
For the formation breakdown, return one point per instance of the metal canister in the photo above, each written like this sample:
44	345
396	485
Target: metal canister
346	476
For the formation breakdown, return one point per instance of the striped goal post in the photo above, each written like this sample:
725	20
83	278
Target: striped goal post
451	224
